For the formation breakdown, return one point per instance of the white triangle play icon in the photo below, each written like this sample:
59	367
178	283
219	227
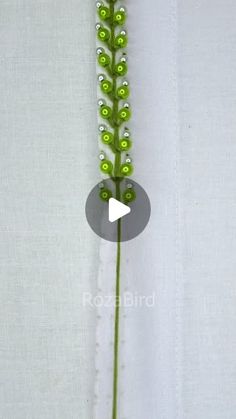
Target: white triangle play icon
117	210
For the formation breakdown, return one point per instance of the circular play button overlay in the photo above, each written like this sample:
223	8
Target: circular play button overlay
118	209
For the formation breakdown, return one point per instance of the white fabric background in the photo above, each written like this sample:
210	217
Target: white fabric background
207	105
48	255
179	358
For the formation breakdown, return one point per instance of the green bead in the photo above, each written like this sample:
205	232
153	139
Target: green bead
125	144
121	69
104	59
129	195
105	111
106	166
104	12
121	41
120	17
105	194
124	114
107	137
103	34
126	169
123	92
106	86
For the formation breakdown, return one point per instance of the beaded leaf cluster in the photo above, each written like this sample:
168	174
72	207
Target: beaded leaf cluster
114	110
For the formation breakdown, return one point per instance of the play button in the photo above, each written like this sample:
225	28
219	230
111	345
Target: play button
117	210
118	206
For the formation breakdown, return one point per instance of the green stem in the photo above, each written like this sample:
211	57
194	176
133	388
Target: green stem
118	195
117	325
117	314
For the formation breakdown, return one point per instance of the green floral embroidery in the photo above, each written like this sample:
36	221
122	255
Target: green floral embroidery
115	111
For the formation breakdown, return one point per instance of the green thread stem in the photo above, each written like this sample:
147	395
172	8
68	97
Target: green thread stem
118	254
117	314
117	325
115	122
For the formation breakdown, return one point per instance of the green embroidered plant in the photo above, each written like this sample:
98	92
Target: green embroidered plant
113	108
115	111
